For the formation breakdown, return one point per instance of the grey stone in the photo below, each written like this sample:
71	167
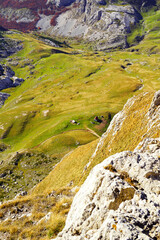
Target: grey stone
109	206
100	22
7	80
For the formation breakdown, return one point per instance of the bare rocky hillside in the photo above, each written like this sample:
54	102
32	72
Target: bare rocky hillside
106	22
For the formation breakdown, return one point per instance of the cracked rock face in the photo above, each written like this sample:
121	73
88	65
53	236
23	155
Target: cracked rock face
120	198
101	21
155	103
96	21
105	22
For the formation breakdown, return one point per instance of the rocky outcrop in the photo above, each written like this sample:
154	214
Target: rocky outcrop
7	80
120	198
8	46
104	22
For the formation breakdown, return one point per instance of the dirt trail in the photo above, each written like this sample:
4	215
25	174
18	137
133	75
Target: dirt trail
93	132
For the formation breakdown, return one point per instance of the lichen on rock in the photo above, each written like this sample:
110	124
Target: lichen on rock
108	206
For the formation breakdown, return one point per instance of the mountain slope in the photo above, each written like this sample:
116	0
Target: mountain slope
138	120
62	84
106	22
29	215
67	101
119	199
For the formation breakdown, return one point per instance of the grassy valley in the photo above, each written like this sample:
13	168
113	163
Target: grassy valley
62	84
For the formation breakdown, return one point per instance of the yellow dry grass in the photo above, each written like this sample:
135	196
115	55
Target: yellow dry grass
68	171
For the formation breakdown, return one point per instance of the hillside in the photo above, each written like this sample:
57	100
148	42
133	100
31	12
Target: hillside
119	199
41	214
70	113
128	128
36	118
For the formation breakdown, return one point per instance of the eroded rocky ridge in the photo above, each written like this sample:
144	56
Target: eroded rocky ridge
106	22
120	199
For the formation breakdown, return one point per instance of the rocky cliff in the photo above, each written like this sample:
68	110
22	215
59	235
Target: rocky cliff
104	22
120	198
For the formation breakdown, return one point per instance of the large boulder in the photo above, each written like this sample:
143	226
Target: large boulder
120	198
8	78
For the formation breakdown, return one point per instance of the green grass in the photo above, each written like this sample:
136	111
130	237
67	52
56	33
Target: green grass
75	167
77	84
148	28
74	85
60	87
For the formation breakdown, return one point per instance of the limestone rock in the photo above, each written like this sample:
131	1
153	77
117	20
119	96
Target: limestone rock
104	23
7	78
21	16
17	81
155	103
120	198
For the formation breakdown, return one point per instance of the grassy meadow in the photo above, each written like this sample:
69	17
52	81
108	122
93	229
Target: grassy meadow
46	154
